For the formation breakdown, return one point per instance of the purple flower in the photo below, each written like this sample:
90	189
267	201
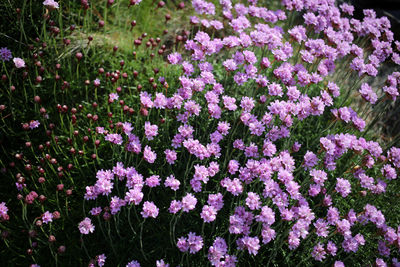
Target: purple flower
218	250
267	234
174	58
343	187
172	182
368	94
182	244
101	260
95	211
47	217
192	242
5	54
318	252
266	216
195	243
310	160
86	226
321	227
34	124
161	263
230	65
216	200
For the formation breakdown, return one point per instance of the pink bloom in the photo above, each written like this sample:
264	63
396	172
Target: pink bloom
51	4
195	243
19	62
134	196
86	226
170	156
343	187
182	244
208	213
216	200
172	182
95	211
174	58
47	217
319	252
253	201
175	206
133	264
252	244
114	138
34	124
3	211
113	96
150	130
153	181
149	210
188	202
101	259
149	155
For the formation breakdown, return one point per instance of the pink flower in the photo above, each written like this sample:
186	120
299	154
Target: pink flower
19	62
113	96
51	4
216	200
172	182
47	217
149	210
114	138
208	214
319	252
252	244
133	264
170	156
343	187
86	226
134	196
175	206
149	155
150	130
188	202
174	58
3	211
253	201
101	259
34	124
153	181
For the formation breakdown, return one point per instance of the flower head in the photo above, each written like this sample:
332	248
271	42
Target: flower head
51	4
86	226
5	54
19	62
